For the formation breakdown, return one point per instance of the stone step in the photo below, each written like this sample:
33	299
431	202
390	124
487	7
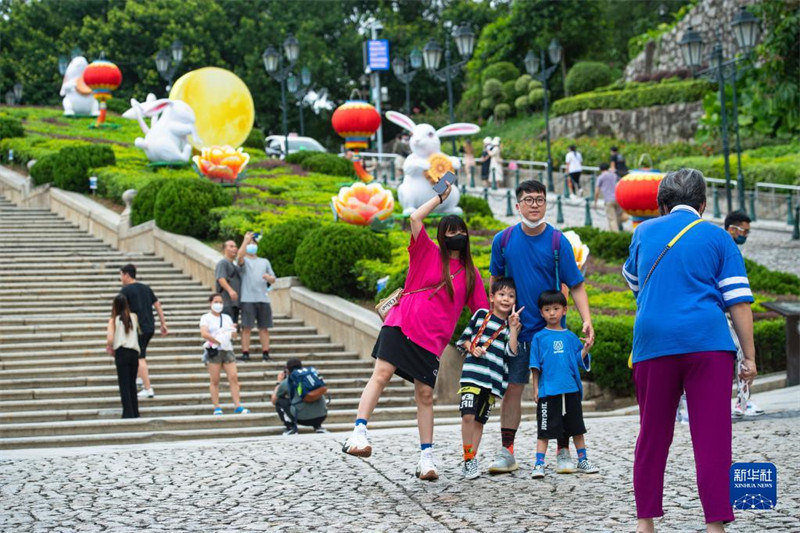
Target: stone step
24	308
104	256
13	273
95	321
107	279
179	294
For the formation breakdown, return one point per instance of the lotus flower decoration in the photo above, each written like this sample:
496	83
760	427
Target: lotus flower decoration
362	203
221	163
580	250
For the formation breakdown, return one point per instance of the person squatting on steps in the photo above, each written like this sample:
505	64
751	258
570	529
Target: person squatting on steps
294	400
122	342
218	331
441	281
257	276
141	300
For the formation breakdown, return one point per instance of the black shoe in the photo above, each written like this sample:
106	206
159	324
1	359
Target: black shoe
290	431
244	357
265	356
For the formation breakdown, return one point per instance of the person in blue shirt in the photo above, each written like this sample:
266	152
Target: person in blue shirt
557	355
528	257
685	274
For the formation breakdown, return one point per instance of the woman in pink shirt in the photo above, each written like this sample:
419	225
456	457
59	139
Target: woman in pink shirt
417	330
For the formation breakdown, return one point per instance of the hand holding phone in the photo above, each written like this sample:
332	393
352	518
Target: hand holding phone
440	186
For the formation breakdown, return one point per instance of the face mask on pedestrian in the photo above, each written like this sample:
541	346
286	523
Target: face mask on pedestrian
251	249
740	239
528	223
456	242
216	307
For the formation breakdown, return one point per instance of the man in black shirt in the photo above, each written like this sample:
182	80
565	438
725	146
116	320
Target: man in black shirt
486	161
617	162
141	300
229	281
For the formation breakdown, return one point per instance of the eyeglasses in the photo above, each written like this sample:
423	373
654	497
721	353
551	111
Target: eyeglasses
530	201
744	231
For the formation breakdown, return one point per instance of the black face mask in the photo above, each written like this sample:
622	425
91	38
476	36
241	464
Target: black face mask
456	242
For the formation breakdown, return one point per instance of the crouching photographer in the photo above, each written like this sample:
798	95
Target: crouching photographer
300	397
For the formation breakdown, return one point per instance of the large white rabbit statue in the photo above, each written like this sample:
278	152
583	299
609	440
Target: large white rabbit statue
172	121
78	99
416	189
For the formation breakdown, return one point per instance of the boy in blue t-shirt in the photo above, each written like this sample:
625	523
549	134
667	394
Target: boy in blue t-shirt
556	358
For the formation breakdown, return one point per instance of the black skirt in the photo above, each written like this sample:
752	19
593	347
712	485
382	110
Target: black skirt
413	362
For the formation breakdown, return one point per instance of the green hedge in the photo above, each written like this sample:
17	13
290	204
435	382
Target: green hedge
280	243
11	127
326	258
298	157
613	345
474	206
606	245
641	96
182	205
68	169
255	139
587	75
770	341
330	164
783	169
503	71
763	279
144	203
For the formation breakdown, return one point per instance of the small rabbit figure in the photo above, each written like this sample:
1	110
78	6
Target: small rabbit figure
78	99
172	121
416	189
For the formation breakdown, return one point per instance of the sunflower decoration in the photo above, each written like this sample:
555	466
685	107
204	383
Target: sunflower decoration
440	165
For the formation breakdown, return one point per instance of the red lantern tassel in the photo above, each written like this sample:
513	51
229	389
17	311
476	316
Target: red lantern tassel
362	174
101	118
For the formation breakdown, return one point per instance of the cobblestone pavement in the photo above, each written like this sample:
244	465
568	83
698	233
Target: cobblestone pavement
305	483
766	244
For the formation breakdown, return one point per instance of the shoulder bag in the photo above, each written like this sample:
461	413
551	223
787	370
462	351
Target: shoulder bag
386	305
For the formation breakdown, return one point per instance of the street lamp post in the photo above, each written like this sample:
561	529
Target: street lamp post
405	76
273	64
532	64
300	91
168	62
432	56
745	30
18	92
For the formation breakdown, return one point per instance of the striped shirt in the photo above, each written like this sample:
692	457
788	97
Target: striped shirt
489	371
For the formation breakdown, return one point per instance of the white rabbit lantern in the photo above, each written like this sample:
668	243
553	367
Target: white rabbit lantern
172	121
78	99
416	189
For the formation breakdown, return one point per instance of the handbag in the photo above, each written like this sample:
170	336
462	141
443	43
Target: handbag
210	351
386	304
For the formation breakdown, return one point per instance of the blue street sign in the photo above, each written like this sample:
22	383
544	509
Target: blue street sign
378	54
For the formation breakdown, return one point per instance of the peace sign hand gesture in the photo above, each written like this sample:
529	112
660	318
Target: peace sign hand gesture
514	321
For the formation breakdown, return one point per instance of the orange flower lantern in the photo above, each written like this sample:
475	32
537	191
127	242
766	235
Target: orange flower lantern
102	77
356	121
637	194
221	163
362	204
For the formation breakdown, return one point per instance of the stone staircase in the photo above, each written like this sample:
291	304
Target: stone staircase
58	386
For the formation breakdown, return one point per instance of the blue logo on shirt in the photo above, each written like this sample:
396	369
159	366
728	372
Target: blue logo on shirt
754	485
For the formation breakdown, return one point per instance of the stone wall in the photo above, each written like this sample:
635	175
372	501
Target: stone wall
655	125
663	54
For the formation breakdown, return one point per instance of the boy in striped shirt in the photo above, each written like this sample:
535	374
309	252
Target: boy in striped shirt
488	341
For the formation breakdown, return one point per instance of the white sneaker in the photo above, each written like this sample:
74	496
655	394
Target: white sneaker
426	468
752	409
139	383
471	469
737	411
564	462
538	471
587	467
146	393
358	444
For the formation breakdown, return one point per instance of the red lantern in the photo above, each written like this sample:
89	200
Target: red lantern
356	121
102	77
637	194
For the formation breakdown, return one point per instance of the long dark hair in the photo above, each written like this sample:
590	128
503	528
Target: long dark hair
121	309
455	223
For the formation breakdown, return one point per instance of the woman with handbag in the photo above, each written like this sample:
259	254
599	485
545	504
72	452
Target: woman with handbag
122	342
685	273
441	281
218	330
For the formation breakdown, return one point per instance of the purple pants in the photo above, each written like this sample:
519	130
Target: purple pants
706	378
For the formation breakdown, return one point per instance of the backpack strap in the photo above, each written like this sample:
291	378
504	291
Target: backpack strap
505	236
556	255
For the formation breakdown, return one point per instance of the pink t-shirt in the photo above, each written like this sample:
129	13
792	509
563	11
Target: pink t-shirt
426	318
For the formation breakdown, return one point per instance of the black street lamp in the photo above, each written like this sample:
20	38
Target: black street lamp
432	56
273	64
168	62
18	92
405	76
9	97
532	64
745	28
300	91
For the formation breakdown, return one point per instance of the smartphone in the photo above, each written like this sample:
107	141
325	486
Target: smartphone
440	186
256	236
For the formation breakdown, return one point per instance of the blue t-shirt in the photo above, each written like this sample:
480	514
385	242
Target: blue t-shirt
529	260
557	356
682	307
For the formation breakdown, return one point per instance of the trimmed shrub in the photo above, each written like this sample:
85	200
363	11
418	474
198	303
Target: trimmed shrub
536	98
509	92
330	164
613	345
255	139
279	245
765	280
642	95
68	169
42	171
770	341
521	103
143	206
326	258
118	105
522	83
605	245
492	89
486	105
587	75
503	71
474	206
534	84
298	157
11	127
502	111
182	205
780	169
92	155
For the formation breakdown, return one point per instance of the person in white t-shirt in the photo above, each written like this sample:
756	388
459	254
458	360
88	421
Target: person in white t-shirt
574	162
218	331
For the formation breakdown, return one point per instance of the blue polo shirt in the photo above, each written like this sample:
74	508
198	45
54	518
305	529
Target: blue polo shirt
682	307
529	260
556	354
